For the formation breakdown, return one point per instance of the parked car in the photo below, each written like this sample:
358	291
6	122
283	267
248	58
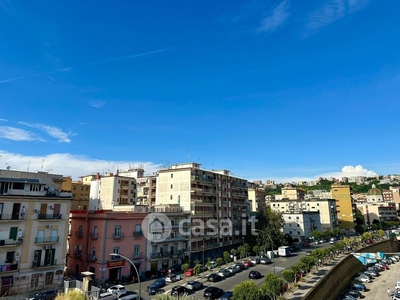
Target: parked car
118	289
308	252
45	295
247	263
265	260
189	272
255	260
178	291
225	273
354	293
306	245
362	279
348	297
241	266
234	269
372	273
332	241
172	278
158	283
153	290
176	268
212	292
227	295
214	277
194	285
212	264
358	286
254	275
152	274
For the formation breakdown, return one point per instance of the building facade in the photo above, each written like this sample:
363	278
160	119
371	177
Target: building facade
211	196
80	192
256	194
346	207
94	235
300	224
34	224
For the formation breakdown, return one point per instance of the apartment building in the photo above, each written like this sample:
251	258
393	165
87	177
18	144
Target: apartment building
95	234
378	211
256	195
326	208
80	192
34	225
173	249
346	207
214	196
300	224
292	193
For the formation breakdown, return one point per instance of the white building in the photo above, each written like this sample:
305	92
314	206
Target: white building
300	224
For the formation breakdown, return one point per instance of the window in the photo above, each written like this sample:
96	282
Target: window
136	250
49	278
116	250
10	257
290	232
172	186
117	231
298	225
172	175
289	217
170	197
298	232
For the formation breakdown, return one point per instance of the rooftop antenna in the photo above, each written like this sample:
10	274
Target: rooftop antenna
27	169
42	163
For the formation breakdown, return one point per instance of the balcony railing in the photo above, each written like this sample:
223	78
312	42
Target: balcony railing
138	233
160	254
117	236
8	268
10	242
49	216
38	264
52	239
79	234
12	217
94	235
92	257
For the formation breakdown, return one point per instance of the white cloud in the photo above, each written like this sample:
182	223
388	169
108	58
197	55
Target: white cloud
50	130
3	120
97	103
332	11
16	134
70	165
275	18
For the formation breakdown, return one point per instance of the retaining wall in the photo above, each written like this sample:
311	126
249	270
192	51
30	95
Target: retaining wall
336	279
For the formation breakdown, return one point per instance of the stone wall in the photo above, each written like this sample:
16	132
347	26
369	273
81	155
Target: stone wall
338	276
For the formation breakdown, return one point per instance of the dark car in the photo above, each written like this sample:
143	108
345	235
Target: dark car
241	266
194	285
354	293
45	295
176	268
152	274
254	275
227	296
178	291
157	284
212	292
358	286
151	290
214	277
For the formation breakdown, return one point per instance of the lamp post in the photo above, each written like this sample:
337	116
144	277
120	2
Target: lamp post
138	276
272	245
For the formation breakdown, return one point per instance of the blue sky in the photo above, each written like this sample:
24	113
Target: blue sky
280	90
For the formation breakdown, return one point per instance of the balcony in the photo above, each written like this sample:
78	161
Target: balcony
12	217
79	234
160	254
8	268
138	233
77	253
94	235
92	257
49	216
9	242
38	264
52	239
118	236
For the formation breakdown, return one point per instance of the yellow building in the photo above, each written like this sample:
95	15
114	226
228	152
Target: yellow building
346	207
257	201
80	192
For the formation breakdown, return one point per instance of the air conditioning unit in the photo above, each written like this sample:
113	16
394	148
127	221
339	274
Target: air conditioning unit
51	207
80	247
48	226
36	210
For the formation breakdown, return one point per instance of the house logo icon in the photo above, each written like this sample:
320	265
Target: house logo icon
156	227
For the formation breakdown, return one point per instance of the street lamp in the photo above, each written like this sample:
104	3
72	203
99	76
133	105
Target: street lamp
272	245
138	276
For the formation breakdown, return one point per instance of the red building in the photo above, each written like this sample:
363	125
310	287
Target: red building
94	235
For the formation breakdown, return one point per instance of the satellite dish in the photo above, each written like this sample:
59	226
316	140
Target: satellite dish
16	257
8	168
20	233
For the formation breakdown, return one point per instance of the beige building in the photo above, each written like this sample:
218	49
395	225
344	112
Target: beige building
291	193
256	194
80	192
34	224
377	211
346	207
213	196
326	208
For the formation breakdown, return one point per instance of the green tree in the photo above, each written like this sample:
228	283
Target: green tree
246	290
227	257
308	262
272	285
234	252
380	233
185	267
219	261
242	251
256	250
288	275
247	249
316	234
197	269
